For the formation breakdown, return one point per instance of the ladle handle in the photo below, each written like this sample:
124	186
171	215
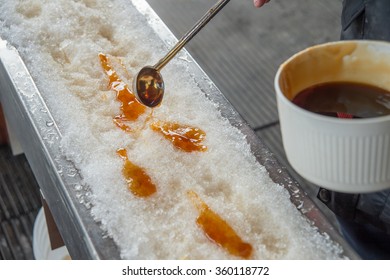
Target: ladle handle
191	33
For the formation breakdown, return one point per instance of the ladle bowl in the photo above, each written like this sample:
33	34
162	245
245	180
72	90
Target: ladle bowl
148	85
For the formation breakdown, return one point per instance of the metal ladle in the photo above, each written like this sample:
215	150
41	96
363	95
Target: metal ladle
148	85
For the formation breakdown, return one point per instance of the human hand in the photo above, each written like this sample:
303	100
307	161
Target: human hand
259	3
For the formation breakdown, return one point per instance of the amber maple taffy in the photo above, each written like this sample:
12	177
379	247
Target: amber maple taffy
218	230
184	137
130	108
139	182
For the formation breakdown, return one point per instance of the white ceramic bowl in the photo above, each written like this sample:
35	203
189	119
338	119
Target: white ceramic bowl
41	241
346	155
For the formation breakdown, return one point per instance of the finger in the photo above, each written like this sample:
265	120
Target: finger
259	3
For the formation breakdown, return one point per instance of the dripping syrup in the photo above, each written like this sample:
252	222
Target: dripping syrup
130	108
218	230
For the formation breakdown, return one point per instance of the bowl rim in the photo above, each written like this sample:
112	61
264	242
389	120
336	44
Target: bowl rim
328	119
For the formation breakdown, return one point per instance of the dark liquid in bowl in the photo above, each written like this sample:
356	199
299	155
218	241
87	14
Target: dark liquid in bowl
345	100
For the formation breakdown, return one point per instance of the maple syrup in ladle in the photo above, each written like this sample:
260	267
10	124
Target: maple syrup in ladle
148	85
